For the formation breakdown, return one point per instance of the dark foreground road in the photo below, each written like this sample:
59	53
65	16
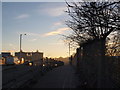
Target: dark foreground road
61	77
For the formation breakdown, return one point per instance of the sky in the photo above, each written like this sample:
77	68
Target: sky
42	22
0	26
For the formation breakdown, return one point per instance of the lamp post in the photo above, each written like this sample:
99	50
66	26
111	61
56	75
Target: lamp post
21	45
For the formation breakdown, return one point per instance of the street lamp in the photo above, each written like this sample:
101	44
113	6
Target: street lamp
21	45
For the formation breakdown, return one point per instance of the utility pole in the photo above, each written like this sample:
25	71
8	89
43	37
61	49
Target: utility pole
69	55
69	49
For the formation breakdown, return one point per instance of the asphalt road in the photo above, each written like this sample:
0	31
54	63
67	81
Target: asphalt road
61	77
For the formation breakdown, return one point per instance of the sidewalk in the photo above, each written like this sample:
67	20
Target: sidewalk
61	77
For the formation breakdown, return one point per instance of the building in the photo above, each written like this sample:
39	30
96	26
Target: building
1	60
6	54
35	57
7	58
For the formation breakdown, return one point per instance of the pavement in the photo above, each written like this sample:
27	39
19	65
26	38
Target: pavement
60	77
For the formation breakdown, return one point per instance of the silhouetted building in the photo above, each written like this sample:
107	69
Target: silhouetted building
6	54
35	57
7	58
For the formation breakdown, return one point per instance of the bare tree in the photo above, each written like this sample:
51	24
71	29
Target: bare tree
92	20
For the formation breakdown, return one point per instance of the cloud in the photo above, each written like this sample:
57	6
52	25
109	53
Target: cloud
22	16
56	32
57	24
52	33
53	11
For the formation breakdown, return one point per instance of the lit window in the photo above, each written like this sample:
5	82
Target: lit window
22	61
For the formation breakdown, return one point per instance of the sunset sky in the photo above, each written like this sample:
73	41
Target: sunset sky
41	21
0	26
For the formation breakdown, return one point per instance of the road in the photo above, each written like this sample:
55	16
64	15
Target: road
61	77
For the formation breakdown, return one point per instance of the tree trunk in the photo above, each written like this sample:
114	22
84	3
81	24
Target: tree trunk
101	65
